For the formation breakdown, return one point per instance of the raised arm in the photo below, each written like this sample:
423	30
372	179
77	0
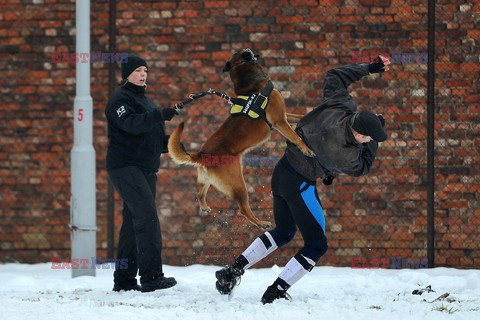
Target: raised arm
337	80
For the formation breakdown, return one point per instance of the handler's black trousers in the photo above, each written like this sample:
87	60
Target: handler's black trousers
296	204
140	240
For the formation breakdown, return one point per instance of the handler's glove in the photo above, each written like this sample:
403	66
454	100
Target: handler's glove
377	66
169	113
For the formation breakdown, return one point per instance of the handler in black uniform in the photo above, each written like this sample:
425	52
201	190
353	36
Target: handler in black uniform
136	139
344	141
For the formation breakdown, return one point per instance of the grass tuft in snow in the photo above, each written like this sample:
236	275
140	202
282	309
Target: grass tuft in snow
446	309
375	307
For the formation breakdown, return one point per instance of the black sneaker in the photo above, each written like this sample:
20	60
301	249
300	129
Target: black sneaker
158	283
273	293
117	287
227	278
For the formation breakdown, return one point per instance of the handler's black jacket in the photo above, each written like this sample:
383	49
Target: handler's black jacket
326	130
136	130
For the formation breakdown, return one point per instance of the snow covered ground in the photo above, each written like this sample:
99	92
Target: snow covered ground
38	292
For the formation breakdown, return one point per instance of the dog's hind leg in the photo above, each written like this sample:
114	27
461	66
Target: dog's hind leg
203	184
241	196
229	180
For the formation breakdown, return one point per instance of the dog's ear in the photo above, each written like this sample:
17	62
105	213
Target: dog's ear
228	66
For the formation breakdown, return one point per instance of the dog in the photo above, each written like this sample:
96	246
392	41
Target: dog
237	135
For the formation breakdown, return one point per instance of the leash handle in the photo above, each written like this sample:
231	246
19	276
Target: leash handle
191	97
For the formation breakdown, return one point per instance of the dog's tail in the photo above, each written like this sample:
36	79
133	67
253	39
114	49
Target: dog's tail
177	150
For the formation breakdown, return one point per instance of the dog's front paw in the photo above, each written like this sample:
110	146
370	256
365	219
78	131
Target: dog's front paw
308	152
204	211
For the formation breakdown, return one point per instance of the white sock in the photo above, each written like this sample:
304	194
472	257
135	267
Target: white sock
259	249
295	270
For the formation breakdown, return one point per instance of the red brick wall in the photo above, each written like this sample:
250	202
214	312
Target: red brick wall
458	134
186	44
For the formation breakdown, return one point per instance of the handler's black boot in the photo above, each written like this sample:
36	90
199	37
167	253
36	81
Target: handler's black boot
228	277
157	283
117	287
276	291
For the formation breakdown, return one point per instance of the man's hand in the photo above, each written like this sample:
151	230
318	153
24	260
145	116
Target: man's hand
386	62
328	180
380	65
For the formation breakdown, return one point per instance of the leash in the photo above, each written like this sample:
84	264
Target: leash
252	106
200	94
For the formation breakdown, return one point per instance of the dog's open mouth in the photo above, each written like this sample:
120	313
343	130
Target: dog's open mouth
249	56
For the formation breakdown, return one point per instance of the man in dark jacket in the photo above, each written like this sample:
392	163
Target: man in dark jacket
344	141
136	139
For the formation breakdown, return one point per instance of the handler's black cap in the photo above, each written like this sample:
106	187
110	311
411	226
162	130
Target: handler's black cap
132	63
368	123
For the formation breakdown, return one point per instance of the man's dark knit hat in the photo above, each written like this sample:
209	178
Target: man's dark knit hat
368	123
132	63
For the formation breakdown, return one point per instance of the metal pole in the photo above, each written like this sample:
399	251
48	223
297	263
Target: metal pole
431	136
83	201
111	88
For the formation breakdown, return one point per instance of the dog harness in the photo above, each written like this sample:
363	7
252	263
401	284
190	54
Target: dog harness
253	106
